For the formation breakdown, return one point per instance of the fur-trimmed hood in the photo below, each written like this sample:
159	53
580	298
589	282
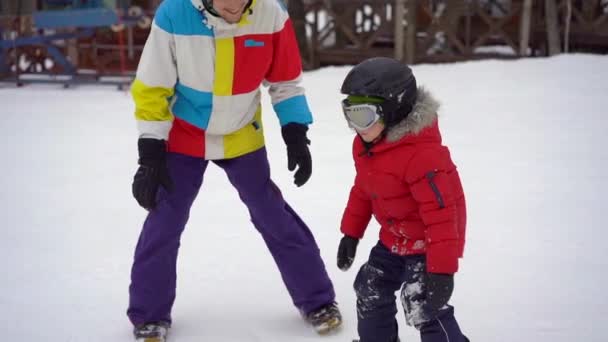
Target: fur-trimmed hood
423	114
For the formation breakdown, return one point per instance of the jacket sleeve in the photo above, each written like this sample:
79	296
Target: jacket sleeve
428	178
285	74
357	214
155	79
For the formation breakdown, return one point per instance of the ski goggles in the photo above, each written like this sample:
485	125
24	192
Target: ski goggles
361	116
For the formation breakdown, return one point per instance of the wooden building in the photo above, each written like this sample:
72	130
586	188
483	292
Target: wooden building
330	32
347	31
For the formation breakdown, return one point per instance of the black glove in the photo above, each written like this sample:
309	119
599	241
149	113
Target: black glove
152	172
439	289
294	135
346	252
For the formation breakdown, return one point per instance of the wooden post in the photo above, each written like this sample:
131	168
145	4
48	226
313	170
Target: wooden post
340	7
410	44
552	27
314	61
590	9
568	21
22	8
298	16
72	48
524	30
399	29
154	5
19	7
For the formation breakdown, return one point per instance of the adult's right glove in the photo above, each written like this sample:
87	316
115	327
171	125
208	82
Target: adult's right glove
346	252
152	172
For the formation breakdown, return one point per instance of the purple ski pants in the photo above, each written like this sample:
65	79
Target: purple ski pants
289	240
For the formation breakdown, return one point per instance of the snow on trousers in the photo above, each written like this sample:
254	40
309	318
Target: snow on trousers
153	275
375	285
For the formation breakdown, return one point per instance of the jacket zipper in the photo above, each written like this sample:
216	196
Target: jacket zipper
430	176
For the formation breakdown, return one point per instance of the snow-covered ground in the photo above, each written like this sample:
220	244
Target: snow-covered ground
529	137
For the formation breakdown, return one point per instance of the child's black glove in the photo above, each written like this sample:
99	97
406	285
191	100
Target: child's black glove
346	252
152	172
439	289
298	154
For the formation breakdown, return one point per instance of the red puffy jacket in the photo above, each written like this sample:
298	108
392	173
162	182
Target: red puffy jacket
410	184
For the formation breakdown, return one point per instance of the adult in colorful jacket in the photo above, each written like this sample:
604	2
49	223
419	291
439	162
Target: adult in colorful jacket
197	96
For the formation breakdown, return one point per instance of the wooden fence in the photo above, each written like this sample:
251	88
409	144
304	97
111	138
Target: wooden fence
336	32
426	31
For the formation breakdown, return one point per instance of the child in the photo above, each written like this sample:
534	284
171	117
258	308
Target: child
407	180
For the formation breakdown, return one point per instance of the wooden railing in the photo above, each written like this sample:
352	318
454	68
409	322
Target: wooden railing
348	31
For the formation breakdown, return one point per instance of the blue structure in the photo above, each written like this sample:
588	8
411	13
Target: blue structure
84	15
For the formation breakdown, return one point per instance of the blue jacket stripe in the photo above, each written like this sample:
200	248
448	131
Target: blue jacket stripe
192	106
184	19
294	109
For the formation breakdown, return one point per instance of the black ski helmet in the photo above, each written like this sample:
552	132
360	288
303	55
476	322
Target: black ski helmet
385	78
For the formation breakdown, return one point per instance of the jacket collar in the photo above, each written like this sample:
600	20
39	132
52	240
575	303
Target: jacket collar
220	23
423	115
198	4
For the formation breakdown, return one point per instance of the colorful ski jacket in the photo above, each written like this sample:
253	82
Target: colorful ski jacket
198	80
411	186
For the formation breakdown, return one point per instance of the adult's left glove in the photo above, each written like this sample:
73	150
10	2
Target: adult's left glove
298	154
439	289
152	172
